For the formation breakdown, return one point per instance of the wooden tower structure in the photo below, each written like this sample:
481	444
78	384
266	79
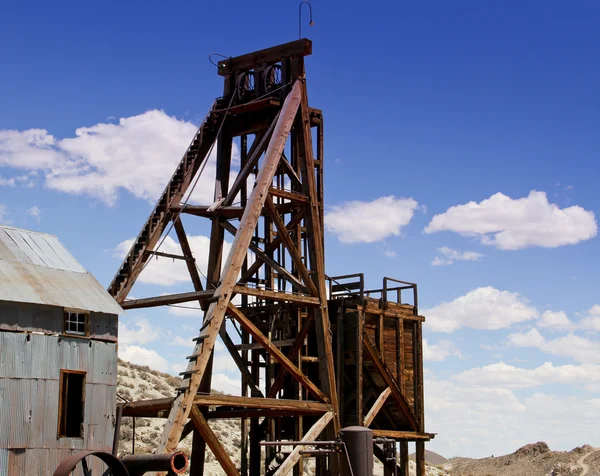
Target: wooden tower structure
304	339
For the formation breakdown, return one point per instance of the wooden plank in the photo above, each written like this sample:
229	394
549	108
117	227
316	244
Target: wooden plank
313	222
271	55
261	413
309	301
403	435
249	326
377	406
390	382
213	442
419	397
287	241
216	311
311	435
292	354
264	403
286	194
277	343
167	299
187	252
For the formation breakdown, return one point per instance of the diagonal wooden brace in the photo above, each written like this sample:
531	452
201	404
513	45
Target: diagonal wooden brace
216	312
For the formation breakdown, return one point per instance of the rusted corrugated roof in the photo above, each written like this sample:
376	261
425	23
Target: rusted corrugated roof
36	268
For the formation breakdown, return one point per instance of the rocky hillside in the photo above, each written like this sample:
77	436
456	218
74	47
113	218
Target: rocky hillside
532	460
432	458
137	382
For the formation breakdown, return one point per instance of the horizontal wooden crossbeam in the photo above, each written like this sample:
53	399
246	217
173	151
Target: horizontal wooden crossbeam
155	407
403	435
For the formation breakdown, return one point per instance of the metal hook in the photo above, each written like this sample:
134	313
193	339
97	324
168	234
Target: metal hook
311	22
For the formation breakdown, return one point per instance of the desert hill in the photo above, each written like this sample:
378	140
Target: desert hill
531	460
432	458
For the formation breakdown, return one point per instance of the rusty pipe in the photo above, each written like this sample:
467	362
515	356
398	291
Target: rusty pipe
140	464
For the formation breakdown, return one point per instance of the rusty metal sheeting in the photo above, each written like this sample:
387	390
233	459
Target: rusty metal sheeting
41	249
29	391
36	356
3	461
29	416
36	268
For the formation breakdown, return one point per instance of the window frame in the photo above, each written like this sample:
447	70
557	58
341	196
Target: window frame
62	382
86	325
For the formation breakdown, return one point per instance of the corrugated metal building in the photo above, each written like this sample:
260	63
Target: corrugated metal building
58	356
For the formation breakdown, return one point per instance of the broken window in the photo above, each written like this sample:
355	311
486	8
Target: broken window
71	404
76	322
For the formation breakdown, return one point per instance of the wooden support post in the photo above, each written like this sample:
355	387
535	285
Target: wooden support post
216	311
404	458
317	260
420	457
310	435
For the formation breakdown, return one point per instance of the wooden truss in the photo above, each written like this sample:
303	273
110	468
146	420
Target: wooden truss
274	211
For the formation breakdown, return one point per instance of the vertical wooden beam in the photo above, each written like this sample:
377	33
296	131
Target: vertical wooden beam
400	354
404	458
381	336
216	311
420	457
317	260
360	316
420	411
310	435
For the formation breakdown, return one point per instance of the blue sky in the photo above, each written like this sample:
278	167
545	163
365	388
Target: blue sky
432	109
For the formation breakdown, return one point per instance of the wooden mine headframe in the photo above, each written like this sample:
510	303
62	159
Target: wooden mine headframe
293	353
276	203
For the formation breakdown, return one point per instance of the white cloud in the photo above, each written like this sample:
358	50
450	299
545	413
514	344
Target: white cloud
367	222
35	213
512	224
479	420
555	320
140	331
570	346
482	308
449	256
181	341
226	384
142	356
592	320
101	160
440	351
508	376
3	213
167	271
